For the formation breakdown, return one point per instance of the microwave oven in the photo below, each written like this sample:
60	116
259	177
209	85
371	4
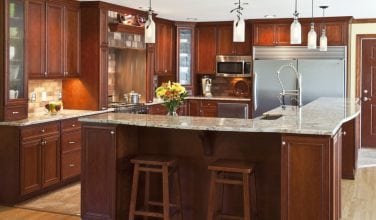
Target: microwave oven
234	66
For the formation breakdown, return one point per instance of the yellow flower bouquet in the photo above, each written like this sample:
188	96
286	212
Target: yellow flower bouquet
172	94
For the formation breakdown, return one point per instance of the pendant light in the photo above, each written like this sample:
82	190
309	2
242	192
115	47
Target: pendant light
150	27
323	38
312	36
238	34
295	28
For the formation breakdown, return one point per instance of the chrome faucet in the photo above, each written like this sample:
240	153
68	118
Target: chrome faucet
294	92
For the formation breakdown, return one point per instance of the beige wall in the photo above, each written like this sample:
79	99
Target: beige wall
358	28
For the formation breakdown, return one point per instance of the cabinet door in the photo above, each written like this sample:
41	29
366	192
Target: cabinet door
50	160
205	50
30	166
164	52
263	34
55	39
225	45
72	41
245	48
36	39
282	34
193	108
336	33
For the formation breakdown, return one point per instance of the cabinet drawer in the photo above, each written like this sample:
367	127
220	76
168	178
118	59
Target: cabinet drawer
70	141
40	130
15	113
71	164
70	124
209	104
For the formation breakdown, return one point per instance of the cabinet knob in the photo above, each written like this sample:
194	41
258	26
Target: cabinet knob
42	130
344	133
165	71
73	125
112	132
15	113
283	143
71	142
71	165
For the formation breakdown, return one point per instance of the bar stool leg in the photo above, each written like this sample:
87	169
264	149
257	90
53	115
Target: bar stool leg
253	196
212	195
132	208
166	196
246	197
178	195
147	194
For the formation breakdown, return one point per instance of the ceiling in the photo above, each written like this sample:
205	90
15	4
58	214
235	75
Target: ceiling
219	10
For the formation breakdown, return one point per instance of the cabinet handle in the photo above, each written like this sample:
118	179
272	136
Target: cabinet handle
71	142
71	165
45	74
42	130
44	142
73	125
283	143
15	113
112	132
344	133
165	71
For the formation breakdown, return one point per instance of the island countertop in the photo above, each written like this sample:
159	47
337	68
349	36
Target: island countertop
323	116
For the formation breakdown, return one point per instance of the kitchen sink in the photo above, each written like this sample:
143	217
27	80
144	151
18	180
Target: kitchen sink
271	117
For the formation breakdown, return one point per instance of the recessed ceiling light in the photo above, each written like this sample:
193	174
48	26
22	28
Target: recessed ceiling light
269	16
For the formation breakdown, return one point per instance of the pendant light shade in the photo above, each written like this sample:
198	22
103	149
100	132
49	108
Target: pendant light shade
239	30
312	36
150	27
296	28
323	38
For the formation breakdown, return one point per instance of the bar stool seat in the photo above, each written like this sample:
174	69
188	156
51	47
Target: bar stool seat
219	169
157	164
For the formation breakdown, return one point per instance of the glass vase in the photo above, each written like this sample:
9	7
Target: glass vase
172	111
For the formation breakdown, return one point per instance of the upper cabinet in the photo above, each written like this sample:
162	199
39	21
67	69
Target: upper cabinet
53	39
271	34
206	49
276	32
165	48
225	44
13	95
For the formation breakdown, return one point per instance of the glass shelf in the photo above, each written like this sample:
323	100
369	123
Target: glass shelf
185	56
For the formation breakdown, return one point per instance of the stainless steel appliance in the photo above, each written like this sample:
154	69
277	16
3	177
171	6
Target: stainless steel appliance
323	74
206	83
234	66
233	110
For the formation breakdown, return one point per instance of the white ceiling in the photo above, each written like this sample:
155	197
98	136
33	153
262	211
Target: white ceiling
219	10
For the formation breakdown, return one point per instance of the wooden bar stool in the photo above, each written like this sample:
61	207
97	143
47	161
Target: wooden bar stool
156	164
247	181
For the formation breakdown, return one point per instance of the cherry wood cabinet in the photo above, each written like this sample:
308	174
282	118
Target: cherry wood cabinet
53	39
70	149
318	160
203	108
165	48
206	49
225	44
159	109
40	157
350	147
270	34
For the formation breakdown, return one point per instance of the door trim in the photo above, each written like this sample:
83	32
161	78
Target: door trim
358	66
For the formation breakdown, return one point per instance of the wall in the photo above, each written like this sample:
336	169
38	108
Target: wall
357	28
52	89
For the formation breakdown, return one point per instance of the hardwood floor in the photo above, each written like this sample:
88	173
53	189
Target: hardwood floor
358	201
8	213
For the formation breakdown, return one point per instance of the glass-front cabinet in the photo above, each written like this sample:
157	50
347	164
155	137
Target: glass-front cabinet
184	56
14	80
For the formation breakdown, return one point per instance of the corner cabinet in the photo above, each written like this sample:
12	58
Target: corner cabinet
53	39
13	95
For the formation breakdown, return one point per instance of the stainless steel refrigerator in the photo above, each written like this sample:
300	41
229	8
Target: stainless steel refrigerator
323	74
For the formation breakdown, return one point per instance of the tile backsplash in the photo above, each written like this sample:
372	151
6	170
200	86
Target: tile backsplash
44	91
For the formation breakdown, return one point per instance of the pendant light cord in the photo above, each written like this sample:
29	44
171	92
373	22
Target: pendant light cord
150	13
296	7
312	13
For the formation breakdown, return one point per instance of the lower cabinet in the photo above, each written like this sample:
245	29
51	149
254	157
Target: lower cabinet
350	147
203	108
159	109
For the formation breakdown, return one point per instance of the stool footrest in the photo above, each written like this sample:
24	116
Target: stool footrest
229	181
160	204
230	216
149	214
149	169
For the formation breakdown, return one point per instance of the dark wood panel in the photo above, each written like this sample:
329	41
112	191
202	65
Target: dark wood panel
205	45
224	40
50	160
35	44
70	124
30	166
70	164
165	48
263	34
55	39
282	34
71	141
99	167
349	150
72	41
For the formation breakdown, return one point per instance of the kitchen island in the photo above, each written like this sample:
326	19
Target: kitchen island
297	157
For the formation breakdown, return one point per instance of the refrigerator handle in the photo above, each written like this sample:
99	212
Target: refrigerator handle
254	91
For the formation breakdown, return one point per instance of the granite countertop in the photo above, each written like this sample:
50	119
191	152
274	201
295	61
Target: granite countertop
36	118
323	116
